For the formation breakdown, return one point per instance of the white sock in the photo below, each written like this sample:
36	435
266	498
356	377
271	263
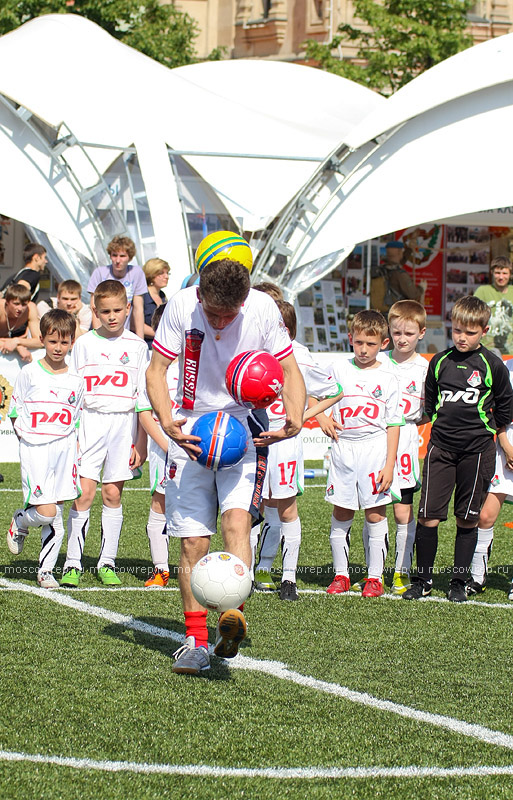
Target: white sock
378	548
51	540
112	520
269	539
365	540
159	539
404	541
78	525
340	538
290	542
254	536
479	567
31	518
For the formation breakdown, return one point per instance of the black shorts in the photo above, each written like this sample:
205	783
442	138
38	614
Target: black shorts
468	473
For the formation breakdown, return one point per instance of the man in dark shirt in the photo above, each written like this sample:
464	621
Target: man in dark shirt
35	260
469	397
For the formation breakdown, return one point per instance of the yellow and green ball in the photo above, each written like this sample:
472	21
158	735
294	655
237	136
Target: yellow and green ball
223	244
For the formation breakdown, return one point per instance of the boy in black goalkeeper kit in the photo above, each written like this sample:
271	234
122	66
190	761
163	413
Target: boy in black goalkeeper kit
469	398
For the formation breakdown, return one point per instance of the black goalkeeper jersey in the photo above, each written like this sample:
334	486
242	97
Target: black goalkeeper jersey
468	396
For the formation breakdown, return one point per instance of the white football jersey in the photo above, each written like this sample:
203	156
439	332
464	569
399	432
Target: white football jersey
319	383
371	400
45	406
113	370
205	353
412	378
143	402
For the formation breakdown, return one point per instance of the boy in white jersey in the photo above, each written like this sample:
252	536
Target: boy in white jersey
112	361
284	479
407	324
500	491
206	327
45	408
362	471
156	527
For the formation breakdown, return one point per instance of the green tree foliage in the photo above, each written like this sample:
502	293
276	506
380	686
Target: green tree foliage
398	40
159	31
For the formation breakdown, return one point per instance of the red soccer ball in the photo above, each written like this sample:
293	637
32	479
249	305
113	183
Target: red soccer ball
254	379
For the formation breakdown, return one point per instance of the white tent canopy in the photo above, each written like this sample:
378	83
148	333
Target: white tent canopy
437	149
110	95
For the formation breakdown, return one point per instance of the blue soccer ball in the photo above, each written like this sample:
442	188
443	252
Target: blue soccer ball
223	440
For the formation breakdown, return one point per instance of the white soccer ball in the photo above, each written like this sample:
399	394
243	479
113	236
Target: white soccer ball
220	581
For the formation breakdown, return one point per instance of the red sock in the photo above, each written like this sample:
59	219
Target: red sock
196	625
241	607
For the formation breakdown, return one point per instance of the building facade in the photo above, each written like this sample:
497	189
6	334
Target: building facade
278	28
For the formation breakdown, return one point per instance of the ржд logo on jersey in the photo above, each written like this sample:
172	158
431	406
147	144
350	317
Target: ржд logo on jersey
469	396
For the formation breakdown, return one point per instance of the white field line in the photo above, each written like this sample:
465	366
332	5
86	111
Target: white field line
279	670
147	488
14	587
283	773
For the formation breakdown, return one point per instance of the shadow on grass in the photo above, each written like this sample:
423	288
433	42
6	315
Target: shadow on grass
219	668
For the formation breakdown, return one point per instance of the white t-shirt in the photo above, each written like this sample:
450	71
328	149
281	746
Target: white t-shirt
205	353
134	282
45	406
144	403
412	377
319	383
113	370
371	400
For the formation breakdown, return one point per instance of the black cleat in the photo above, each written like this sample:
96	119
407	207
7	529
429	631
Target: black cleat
288	591
417	590
473	587
457	593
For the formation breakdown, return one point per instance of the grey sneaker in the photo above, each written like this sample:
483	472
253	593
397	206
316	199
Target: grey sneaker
191	660
15	535
46	580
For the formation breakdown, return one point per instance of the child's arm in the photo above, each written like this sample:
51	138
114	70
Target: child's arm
507	447
153	429
321	406
386	475
140	448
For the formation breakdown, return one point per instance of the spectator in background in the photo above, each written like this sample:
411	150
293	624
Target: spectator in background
69	299
35	260
390	282
18	316
122	250
498	296
156	271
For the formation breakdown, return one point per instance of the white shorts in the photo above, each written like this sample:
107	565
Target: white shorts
194	494
354	468
408	468
157	461
49	471
502	481
106	441
285	476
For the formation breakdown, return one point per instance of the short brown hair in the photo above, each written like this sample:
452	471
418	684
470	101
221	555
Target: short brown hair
370	322
289	316
109	289
409	311
269	288
121	243
71	286
471	311
16	291
31	250
224	283
153	267
501	262
58	321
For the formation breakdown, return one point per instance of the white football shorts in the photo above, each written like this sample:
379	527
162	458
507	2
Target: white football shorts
408	468
49	471
502	481
105	441
194	494
285	476
157	461
353	473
